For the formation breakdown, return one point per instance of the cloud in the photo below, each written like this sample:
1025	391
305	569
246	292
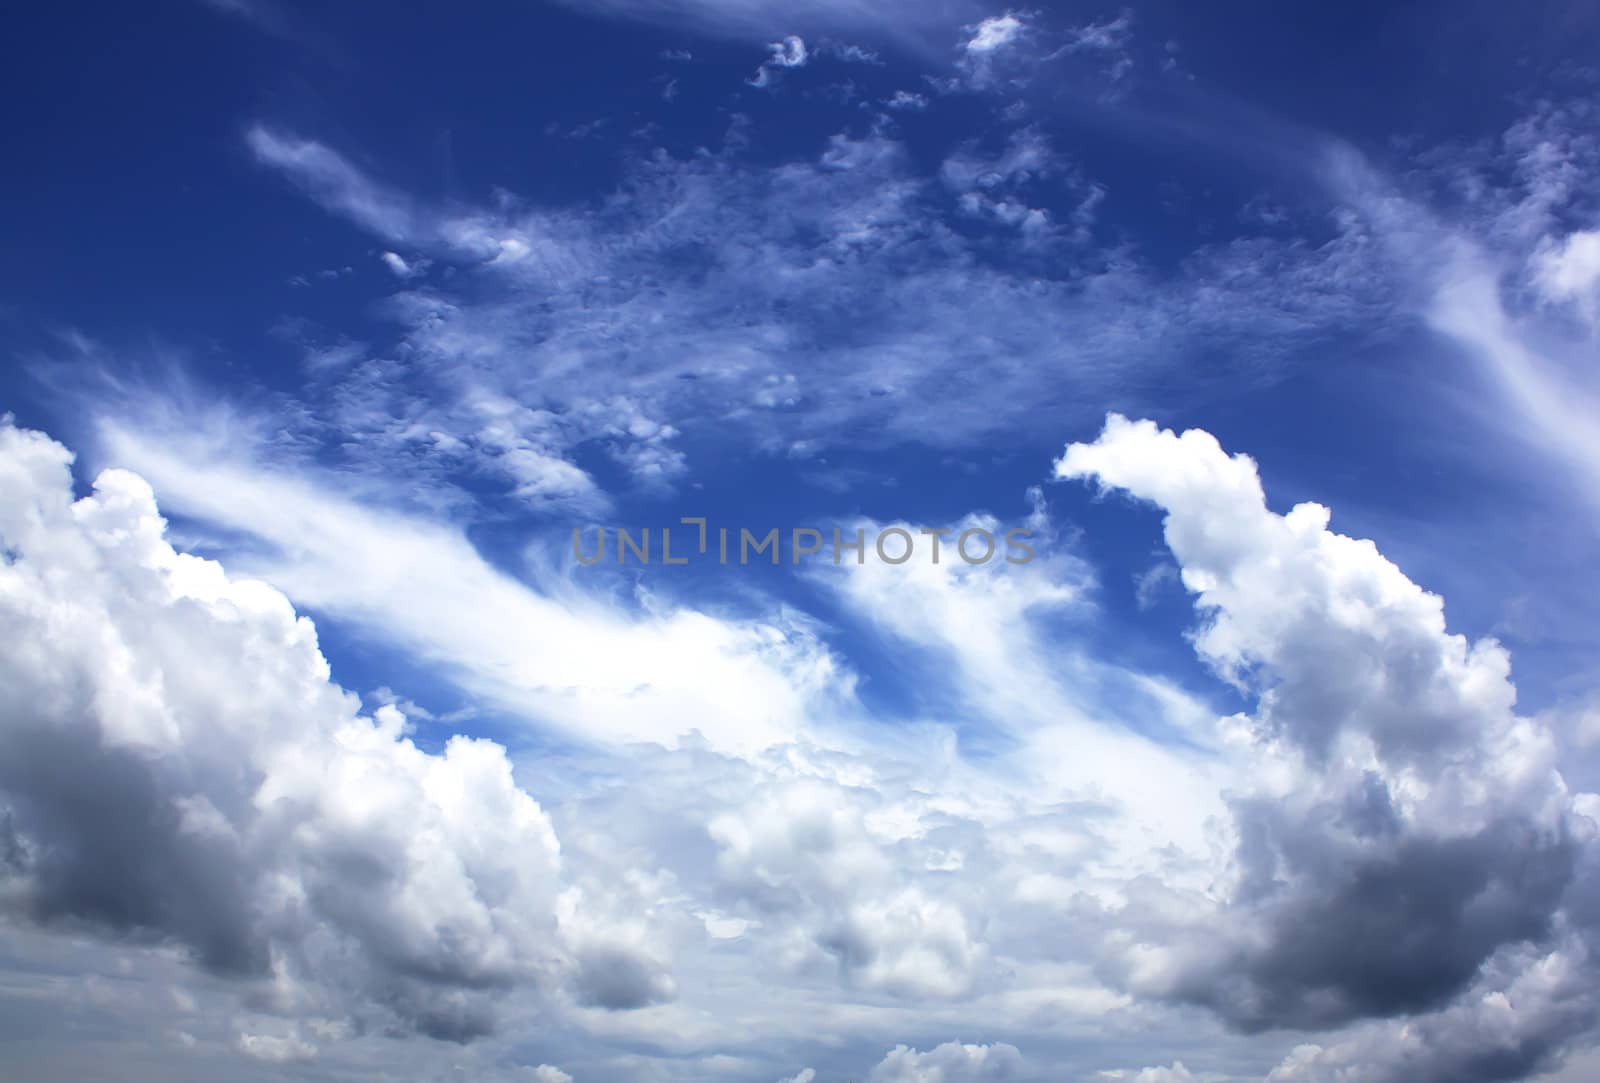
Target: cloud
1569	270
788	53
1409	834
1109	39
906	101
276	1049
1344	877
1177	1073
952	1062
994	33
334	182
566	658
401	267
1001	187
986	51
1470	277
913	23
1105	36
866	291
183	770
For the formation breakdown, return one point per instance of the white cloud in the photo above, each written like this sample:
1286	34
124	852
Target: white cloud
1176	1073
567	658
952	1062
401	267
276	1049
1471	277
856	300
885	883
1393	778
909	21
788	53
186	769
906	101
994	33
989	50
1569	270
334	182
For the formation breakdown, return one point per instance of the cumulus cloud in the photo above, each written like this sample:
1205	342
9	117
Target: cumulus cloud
1409	838
1176	1073
183	770
952	1062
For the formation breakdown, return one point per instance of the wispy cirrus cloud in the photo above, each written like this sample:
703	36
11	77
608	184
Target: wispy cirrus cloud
723	296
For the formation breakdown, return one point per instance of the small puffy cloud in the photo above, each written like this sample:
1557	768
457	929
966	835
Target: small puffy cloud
906	101
805	1075
402	267
276	1048
548	1073
1177	1073
994	33
791	52
983	52
951	1062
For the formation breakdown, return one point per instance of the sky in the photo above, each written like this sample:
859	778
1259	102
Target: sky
1210	390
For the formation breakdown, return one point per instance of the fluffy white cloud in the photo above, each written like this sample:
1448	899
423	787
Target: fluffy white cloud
1407	841
995	32
182	768
952	1062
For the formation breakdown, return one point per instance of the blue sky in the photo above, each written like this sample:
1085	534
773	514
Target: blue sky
1274	325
